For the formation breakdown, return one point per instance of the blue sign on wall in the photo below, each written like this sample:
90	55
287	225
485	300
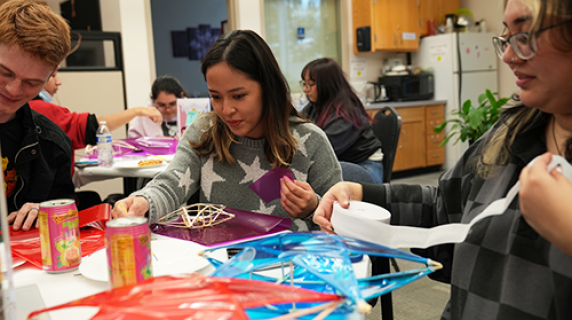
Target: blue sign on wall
301	33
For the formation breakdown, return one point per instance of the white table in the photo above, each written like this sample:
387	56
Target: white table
34	285
85	175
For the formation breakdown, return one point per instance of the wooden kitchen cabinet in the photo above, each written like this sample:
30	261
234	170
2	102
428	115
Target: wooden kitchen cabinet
411	146
436	10
394	24
418	145
434	116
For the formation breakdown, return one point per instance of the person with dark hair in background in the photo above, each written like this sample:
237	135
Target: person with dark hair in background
164	94
254	128
36	153
516	265
336	109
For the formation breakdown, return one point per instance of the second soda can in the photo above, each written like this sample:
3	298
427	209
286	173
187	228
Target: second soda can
59	235
128	242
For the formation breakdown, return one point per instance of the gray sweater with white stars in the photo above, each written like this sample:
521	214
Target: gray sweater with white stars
228	184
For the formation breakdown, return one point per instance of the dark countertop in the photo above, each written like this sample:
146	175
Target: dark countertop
395	104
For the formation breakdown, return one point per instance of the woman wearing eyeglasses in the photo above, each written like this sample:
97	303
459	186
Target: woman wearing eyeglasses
164	94
517	265
338	111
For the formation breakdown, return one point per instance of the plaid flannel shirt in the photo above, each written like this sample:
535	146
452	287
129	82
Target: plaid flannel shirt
504	269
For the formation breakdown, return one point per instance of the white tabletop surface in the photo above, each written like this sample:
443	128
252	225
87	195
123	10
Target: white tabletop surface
85	175
37	289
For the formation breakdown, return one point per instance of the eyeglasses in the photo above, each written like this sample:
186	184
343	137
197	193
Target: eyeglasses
168	106
305	85
523	44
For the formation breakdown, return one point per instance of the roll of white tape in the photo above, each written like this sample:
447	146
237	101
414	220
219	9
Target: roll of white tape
359	210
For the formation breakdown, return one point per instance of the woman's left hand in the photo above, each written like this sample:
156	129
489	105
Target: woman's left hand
545	203
297	198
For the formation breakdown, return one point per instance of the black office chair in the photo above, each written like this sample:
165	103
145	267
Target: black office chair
386	127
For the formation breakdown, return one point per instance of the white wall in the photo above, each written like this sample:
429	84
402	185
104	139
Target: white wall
492	12
247	15
134	20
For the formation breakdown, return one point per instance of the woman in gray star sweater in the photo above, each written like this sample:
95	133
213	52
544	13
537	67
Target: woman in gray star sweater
253	129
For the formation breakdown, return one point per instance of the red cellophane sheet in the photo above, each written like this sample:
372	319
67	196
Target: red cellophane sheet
191	297
26	244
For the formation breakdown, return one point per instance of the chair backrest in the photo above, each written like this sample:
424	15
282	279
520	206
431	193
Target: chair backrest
355	173
387	127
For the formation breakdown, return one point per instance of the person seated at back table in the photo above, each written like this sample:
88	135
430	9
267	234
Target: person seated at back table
517	265
36	153
81	127
336	109
254	128
164	94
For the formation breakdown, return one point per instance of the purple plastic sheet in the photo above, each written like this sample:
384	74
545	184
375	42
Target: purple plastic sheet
155	146
267	187
246	225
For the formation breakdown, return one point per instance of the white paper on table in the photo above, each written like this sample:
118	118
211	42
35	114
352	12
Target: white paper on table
349	222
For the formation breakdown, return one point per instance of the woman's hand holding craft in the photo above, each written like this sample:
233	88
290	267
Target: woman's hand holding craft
24	217
341	192
130	207
297	198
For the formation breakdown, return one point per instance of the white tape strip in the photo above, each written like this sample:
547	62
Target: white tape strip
351	223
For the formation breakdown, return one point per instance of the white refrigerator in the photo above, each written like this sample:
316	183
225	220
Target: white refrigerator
464	66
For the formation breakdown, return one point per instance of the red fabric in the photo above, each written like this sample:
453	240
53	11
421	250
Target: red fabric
26	244
192	297
72	123
91	240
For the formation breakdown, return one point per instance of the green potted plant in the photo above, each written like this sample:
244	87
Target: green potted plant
471	122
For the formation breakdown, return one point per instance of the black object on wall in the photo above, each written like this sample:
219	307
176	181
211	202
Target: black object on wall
82	14
363	39
94	48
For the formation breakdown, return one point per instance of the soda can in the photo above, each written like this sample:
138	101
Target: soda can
128	242
59	235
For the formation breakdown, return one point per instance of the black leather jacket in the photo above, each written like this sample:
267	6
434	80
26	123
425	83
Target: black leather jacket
43	162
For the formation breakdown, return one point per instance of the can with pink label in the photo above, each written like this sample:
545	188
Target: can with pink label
59	235
128	242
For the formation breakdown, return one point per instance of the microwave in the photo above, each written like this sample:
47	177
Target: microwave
408	87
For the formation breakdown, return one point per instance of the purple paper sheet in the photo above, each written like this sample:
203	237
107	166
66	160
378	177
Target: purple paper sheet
244	226
267	187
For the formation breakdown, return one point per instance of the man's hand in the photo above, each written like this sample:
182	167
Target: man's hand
24	218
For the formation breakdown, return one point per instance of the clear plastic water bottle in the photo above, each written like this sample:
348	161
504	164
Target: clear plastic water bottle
104	147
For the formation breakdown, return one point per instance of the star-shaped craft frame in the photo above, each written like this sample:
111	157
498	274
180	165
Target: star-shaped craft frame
320	262
197	216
